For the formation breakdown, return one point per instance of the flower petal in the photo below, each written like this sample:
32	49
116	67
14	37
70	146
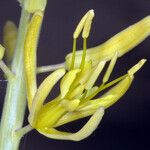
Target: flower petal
42	92
91	81
30	47
83	133
110	97
122	42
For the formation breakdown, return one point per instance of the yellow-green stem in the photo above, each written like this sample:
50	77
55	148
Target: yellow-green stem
15	99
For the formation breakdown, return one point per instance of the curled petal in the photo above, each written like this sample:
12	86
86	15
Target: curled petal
30	47
42	92
83	133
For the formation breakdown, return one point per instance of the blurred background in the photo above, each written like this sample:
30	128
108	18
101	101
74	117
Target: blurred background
125	125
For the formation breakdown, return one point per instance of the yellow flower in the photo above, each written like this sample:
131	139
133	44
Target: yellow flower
77	85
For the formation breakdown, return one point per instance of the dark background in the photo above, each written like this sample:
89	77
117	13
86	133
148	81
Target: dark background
125	125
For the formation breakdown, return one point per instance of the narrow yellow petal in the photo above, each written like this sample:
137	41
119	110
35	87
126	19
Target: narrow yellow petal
135	68
30	55
42	92
95	75
122	42
110	67
83	133
67	81
9	40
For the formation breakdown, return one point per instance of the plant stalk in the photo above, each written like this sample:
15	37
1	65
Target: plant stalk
15	98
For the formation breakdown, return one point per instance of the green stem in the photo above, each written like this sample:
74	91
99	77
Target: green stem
24	130
15	99
49	68
6	70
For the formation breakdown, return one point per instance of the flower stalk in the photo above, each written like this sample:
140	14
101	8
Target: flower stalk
15	99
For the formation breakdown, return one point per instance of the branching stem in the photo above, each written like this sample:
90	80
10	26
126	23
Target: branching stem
6	70
15	98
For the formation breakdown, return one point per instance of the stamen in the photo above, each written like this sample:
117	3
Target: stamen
73	53
85	34
95	75
88	23
135	68
84	75
130	72
110	67
110	97
80	26
84	54
84	24
88	93
103	87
